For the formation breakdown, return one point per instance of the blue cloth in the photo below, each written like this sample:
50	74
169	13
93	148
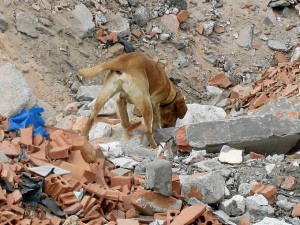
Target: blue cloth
26	118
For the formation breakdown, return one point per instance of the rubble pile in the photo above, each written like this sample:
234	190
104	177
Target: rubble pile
64	179
275	82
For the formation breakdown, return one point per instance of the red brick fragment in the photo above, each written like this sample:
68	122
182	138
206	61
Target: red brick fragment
296	210
182	16
60	152
189	214
269	191
181	139
73	209
220	80
254	155
26	136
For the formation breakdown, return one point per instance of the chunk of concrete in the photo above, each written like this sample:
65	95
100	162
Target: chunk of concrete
158	177
100	130
264	134
206	187
197	113
235	206
230	155
88	93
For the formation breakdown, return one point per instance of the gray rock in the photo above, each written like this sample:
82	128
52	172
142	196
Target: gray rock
179	4
244	188
100	18
88	93
3	23
209	27
141	16
179	44
118	24
133	2
86	26
209	188
158	177
15	93
284	204
245	37
279	3
25	24
164	37
257	206
201	113
235	206
100	130
277	45
181	61
296	30
267	21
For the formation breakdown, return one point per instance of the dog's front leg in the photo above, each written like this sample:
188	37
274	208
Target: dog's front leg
156	117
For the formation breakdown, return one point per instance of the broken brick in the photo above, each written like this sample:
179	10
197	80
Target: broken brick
74	208
56	185
182	16
26	136
181	139
189	214
269	191
296	210
127	222
220	80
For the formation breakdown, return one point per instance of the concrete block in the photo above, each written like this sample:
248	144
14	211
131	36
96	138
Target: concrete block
158	177
267	221
207	187
266	134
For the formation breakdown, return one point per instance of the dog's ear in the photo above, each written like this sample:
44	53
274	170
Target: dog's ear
181	107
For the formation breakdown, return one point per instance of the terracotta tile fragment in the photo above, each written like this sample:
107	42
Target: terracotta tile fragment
220	80
182	16
26	136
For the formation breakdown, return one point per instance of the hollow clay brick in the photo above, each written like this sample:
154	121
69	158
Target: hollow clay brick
56	185
189	214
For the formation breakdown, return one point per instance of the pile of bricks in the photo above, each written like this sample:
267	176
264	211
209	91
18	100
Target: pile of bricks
108	195
280	81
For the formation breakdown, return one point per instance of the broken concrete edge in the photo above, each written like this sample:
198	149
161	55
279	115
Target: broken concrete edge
265	134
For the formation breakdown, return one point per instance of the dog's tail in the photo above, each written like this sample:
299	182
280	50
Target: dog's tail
97	70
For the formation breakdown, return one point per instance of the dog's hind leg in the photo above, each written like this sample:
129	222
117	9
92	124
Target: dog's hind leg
106	93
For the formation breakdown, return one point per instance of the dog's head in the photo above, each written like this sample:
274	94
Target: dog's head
170	113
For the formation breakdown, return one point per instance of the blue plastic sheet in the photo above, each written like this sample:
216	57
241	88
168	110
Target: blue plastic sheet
26	118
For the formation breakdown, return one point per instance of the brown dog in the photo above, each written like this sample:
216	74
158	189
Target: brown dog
142	82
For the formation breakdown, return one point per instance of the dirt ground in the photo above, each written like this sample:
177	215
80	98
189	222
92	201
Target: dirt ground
50	63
